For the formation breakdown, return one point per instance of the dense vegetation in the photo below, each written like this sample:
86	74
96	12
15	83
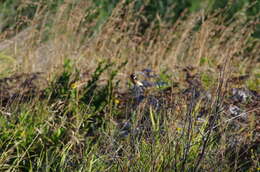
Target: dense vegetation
67	103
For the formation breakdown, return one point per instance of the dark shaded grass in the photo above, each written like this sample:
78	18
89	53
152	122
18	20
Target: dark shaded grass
64	131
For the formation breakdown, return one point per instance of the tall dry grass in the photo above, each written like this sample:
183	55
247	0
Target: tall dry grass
192	40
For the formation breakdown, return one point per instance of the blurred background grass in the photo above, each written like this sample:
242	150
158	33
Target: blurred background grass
155	34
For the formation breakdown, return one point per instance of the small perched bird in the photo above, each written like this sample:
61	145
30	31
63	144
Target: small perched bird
145	83
138	89
142	91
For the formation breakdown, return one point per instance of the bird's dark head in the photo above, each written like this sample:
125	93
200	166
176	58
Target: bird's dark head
133	77
135	80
